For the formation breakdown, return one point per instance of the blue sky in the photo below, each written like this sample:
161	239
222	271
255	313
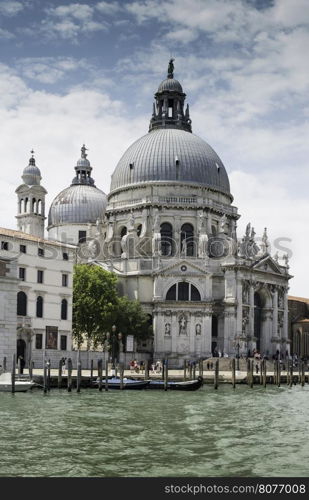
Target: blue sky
74	72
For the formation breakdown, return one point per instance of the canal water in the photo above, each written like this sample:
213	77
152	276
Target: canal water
241	432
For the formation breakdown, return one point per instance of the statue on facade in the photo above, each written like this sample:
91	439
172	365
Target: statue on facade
202	236
198	329
182	325
156	238
167	328
286	260
222	224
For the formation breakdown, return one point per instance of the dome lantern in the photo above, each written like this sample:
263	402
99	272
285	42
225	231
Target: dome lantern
168	109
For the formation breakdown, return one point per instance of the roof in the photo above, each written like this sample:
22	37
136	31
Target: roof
29	237
171	155
298	299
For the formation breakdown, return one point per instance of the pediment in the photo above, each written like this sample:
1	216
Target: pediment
182	267
268	265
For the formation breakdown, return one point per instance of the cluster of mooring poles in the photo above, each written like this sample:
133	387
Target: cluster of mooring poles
261	376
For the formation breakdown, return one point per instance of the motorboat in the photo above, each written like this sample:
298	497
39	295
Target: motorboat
177	385
22	384
128	383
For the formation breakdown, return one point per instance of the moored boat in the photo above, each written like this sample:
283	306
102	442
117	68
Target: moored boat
177	385
128	383
21	384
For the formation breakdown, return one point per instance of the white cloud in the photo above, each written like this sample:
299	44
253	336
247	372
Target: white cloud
10	8
6	35
108	8
263	201
48	70
69	21
56	127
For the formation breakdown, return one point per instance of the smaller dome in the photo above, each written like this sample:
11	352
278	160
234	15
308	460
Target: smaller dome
83	162
78	204
31	174
171	85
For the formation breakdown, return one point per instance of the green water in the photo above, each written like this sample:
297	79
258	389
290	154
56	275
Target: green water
245	432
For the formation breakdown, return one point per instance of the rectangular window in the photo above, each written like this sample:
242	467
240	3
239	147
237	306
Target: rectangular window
40	276
38	341
82	235
41	252
63	342
64	280
22	273
51	337
4	245
65	256
22	248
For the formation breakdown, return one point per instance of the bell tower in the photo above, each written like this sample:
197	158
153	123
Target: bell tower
31	201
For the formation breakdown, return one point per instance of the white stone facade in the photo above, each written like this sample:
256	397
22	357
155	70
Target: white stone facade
43	300
8	304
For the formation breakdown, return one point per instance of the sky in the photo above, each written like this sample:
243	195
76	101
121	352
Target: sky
86	72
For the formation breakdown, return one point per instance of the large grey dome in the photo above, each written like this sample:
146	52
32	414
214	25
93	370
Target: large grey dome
77	204
168	154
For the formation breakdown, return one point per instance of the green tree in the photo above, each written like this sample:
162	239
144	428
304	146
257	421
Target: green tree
97	306
95	301
131	319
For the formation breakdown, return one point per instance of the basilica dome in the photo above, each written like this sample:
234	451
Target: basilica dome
170	153
80	203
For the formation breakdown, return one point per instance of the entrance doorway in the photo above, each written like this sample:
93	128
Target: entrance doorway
21	349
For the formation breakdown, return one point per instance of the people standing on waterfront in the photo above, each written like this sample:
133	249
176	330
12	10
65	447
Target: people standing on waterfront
63	365
131	364
141	366
153	368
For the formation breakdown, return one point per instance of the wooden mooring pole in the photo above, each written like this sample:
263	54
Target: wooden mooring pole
45	376
251	373
48	375
91	371
4	364
69	374
121	372
201	368
194	370
302	373
146	375
185	370
264	372
278	373
291	374
100	362
233	373
216	374
30	368
60	374
79	373
13	373
19	365
165	374
287	371
106	375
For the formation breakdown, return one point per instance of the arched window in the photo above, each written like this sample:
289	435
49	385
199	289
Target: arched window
187	240
21	206
33	205
123	231
21	304
166	231
39	207
26	205
39	307
183	291
64	309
